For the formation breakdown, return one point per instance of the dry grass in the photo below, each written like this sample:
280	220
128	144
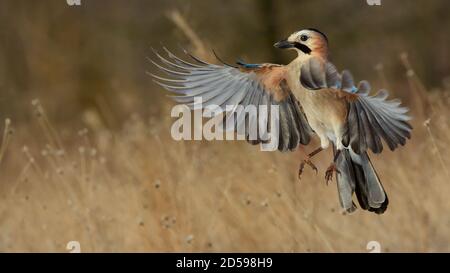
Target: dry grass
138	190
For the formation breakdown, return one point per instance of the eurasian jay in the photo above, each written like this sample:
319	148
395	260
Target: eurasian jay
312	98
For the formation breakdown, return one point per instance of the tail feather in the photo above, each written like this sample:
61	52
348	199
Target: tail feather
346	182
357	175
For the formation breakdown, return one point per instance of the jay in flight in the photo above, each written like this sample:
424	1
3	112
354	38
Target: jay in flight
313	98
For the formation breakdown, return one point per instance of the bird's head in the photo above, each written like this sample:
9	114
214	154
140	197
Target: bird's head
306	42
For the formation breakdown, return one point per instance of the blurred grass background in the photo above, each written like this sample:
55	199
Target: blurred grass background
87	155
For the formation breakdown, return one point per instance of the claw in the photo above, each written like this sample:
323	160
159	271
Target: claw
329	172
302	166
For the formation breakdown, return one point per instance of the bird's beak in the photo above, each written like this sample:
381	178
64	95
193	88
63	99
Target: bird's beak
283	44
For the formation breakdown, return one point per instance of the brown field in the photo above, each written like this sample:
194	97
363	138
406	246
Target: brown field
111	177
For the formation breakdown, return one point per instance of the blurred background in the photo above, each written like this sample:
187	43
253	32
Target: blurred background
86	152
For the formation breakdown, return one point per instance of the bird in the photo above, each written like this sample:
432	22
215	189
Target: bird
314	100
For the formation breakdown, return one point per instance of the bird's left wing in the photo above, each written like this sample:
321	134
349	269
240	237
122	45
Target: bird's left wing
370	118
248	84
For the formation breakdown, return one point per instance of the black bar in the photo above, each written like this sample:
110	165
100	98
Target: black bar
219	262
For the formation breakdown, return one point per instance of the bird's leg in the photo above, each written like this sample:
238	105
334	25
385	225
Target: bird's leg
332	168
307	161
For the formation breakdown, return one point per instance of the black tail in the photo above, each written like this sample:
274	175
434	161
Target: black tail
357	175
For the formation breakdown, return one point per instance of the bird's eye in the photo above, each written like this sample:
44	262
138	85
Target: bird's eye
303	38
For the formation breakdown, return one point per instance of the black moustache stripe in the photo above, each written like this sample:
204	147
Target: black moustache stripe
303	48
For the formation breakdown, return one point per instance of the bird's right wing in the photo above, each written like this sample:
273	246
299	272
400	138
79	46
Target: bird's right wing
369	118
224	85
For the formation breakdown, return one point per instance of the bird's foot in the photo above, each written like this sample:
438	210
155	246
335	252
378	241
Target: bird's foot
329	172
306	161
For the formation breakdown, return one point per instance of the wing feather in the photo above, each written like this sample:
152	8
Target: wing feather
223	85
369	118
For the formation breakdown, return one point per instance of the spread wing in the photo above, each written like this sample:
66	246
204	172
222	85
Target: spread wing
246	85
370	118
